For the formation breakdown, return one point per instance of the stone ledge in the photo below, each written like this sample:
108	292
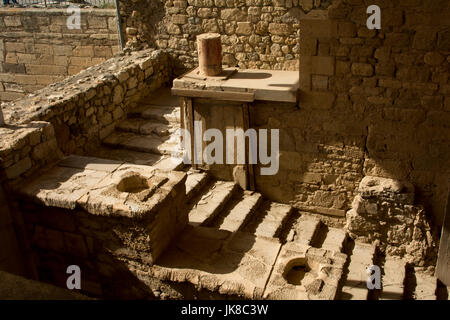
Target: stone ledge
17	288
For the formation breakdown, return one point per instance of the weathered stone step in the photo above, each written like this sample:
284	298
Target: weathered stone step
334	239
306	229
269	219
162	114
159	161
393	279
194	183
426	286
146	127
355	285
241	212
162	97
142	143
211	203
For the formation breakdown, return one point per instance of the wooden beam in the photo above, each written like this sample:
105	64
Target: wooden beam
215	95
249	166
189	124
443	263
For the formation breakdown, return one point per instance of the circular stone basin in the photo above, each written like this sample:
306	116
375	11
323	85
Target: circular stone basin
133	183
296	270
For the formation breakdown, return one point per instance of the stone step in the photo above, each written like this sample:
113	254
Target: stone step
211	203
393	279
161	114
334	239
306	229
161	97
194	183
269	219
146	127
143	143
355	285
426	286
234	219
159	161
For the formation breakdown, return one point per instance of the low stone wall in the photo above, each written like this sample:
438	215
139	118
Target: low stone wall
102	230
384	211
70	116
256	34
37	48
83	109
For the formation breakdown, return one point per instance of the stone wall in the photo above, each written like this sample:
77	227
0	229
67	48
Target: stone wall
256	34
70	116
23	150
372	102
83	109
37	48
10	258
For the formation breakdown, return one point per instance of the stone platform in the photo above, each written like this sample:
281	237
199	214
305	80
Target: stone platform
267	85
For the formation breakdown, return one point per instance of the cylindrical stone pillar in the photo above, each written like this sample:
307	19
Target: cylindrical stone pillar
209	54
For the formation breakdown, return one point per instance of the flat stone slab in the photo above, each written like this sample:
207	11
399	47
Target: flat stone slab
90	163
62	186
268	85
14	287
103	187
217	260
306	229
355	286
302	272
122	194
393	279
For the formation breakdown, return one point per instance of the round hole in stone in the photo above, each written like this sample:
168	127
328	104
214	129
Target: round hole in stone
296	270
133	183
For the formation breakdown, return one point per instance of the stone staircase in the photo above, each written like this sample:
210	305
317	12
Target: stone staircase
149	137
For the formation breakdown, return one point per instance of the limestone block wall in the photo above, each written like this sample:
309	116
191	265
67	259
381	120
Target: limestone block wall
23	150
377	97
10	258
37	48
69	116
256	34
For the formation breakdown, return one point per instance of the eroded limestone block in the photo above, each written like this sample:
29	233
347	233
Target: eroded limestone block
384	210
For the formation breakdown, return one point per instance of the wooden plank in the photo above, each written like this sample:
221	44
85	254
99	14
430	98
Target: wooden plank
182	112
215	95
443	264
249	166
189	123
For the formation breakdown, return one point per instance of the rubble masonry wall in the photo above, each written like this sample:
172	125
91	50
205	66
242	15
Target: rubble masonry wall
37	48
256	34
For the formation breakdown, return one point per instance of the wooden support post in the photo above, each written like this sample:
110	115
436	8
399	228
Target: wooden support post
443	263
2	120
189	125
209	48
249	167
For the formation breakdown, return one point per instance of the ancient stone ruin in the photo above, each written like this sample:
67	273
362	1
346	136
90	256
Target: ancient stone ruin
272	149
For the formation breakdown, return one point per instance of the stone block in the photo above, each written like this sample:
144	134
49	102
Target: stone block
362	69
18	168
244	28
280	29
323	65
316	100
